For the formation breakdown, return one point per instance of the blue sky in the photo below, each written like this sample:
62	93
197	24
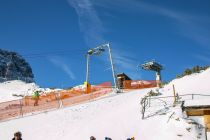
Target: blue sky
54	36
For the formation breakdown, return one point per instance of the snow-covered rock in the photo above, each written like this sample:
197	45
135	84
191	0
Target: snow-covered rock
14	67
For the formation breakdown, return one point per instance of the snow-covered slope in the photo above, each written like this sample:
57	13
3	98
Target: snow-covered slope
117	116
198	83
7	89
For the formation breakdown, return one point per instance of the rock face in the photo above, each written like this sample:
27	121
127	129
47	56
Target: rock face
14	67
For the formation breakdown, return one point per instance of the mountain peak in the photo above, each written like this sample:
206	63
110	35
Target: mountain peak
14	67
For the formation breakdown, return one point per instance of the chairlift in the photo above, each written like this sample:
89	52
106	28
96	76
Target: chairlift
101	50
97	52
90	52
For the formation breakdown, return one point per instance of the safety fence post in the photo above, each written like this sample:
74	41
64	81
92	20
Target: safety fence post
58	98
21	108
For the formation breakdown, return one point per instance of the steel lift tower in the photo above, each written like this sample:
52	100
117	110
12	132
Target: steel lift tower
97	51
154	66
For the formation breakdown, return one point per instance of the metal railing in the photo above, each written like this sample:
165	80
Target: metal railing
147	100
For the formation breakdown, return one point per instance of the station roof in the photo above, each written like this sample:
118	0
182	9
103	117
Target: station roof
152	65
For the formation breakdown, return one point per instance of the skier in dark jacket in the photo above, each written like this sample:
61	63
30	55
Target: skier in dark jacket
17	136
131	138
92	138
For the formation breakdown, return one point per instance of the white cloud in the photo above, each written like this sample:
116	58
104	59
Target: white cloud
127	62
91	25
57	61
89	22
188	25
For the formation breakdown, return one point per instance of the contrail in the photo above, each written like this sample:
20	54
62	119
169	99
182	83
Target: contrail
59	63
89	22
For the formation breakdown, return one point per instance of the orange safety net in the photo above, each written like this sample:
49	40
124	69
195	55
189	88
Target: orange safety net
105	85
50	101
139	84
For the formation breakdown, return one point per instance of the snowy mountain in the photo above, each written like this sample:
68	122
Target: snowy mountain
14	67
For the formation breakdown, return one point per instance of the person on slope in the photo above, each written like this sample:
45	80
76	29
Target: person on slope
17	136
36	98
131	138
92	138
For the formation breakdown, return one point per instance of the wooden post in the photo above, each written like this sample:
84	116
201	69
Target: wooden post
143	106
21	108
143	110
149	100
174	91
206	133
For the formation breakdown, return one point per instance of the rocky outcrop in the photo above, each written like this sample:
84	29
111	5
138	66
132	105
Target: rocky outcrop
14	67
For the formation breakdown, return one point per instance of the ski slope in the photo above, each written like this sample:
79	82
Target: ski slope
197	83
7	89
117	116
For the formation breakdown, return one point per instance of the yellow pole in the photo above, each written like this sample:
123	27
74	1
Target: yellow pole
88	87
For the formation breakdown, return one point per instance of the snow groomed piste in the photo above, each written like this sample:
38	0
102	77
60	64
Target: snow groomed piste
119	116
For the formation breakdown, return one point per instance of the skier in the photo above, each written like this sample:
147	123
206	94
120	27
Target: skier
131	138
92	138
36	98
17	136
